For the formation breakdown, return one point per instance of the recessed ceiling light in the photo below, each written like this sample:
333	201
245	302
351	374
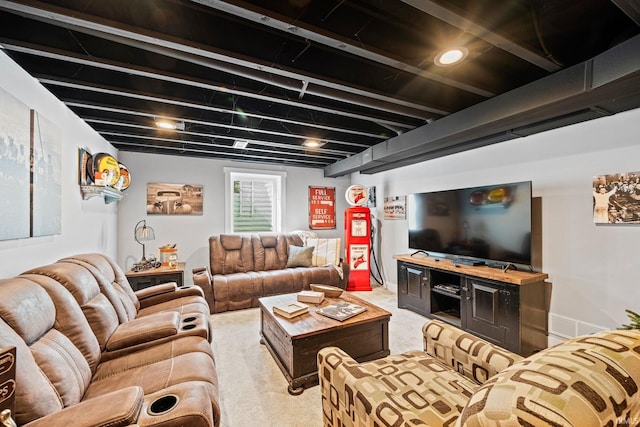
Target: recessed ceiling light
240	143
451	56
169	124
312	143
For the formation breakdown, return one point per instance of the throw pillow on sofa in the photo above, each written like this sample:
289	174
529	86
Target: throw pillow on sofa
305	235
300	256
327	251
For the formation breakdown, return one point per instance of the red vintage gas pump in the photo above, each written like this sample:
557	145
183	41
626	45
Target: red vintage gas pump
357	238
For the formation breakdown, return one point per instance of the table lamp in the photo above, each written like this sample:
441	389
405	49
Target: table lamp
143	233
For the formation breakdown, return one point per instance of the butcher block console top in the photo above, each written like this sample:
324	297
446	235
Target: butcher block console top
515	277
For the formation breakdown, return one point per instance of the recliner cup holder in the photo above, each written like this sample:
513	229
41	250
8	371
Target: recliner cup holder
189	326
189	319
163	404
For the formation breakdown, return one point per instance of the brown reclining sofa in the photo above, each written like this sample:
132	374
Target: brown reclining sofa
244	268
90	351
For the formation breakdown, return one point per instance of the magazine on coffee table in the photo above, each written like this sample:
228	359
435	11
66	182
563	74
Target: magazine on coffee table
341	310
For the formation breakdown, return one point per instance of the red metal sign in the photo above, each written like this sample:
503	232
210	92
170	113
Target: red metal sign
322	208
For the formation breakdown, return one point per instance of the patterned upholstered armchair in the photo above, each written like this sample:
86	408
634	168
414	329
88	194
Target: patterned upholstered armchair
462	380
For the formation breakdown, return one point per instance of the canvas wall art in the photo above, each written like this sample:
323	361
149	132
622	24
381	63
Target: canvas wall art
46	156
15	209
174	199
616	198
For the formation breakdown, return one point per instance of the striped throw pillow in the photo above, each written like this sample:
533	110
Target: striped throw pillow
327	251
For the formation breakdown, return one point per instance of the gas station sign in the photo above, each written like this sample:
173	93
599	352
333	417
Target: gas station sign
322	208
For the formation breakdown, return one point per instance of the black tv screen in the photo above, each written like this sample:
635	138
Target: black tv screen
489	223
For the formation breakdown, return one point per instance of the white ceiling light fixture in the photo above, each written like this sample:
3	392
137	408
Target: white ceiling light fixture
169	124
451	56
240	143
312	143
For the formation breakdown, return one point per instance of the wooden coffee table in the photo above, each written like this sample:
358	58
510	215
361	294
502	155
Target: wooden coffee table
294	343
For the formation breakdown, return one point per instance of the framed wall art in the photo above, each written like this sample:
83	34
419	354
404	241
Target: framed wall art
616	198
395	207
174	199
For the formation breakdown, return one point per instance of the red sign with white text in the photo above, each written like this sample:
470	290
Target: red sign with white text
322	208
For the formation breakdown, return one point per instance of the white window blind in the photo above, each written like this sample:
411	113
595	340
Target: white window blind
255	202
253	206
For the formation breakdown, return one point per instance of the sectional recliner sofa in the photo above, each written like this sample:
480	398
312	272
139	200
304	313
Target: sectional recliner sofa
91	351
243	268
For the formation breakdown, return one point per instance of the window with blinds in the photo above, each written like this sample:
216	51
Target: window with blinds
256	202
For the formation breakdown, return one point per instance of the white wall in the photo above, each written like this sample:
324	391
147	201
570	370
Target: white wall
593	269
191	232
87	226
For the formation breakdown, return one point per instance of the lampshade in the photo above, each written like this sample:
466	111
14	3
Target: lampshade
143	233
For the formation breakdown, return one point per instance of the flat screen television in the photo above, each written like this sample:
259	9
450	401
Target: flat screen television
489	224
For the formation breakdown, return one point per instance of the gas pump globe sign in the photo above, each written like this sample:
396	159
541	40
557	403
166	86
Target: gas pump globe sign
357	195
357	224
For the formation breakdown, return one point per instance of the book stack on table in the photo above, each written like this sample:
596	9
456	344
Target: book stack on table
292	309
311	297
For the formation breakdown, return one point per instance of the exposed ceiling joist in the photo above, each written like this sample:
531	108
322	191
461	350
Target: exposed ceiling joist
450	17
257	132
261	16
289	80
631	8
148	97
270	146
584	90
168	77
182	147
359	76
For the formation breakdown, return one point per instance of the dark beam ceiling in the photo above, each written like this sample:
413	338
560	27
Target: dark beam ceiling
356	75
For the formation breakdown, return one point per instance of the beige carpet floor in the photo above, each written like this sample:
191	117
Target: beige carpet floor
253	391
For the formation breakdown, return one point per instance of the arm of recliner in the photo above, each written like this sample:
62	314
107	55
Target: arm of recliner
120	408
144	329
202	278
351	395
473	357
165	292
162	288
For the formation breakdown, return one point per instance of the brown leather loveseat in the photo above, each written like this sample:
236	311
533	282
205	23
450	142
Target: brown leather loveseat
90	351
244	268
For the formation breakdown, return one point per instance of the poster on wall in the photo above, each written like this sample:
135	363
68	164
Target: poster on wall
395	207
46	148
14	168
174	199
322	208
616	198
371	201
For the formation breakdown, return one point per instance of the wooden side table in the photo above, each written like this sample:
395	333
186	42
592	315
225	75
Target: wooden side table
155	276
